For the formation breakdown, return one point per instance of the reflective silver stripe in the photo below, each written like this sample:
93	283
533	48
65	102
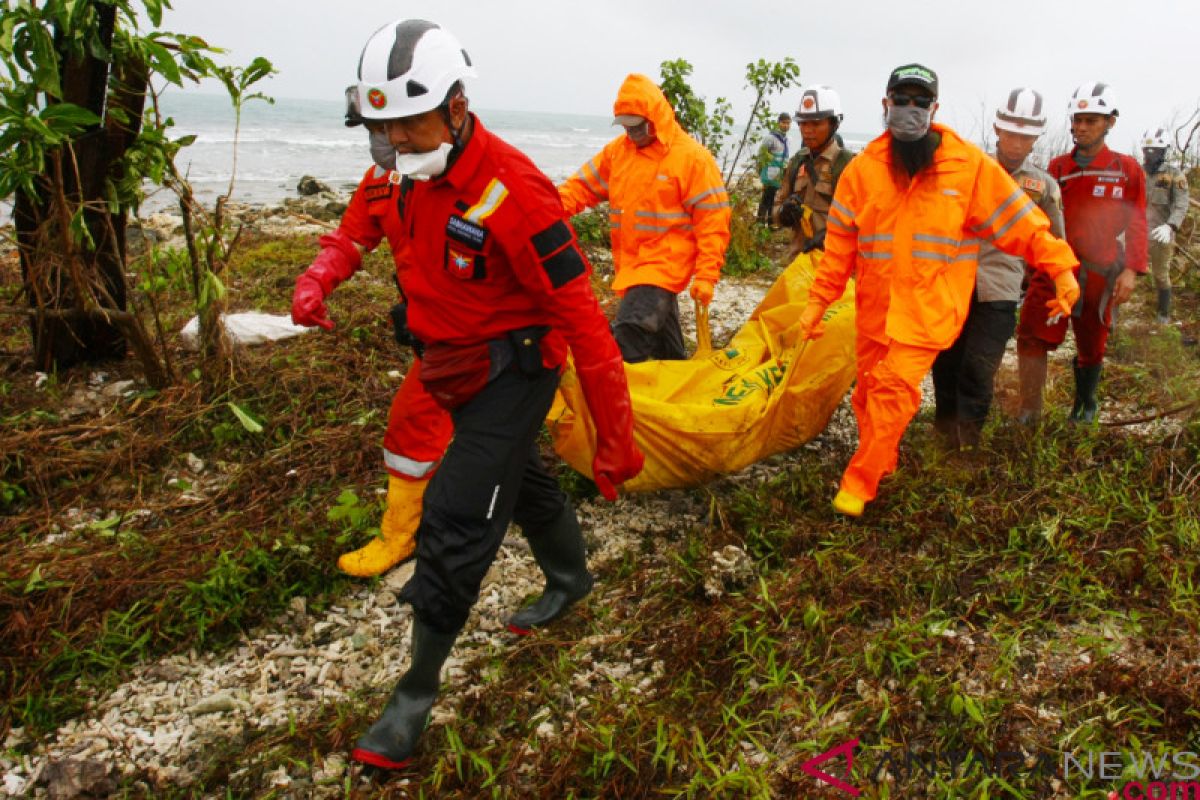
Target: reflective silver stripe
928	237
709	206
931	256
406	466
591	164
658	228
663	214
847	212
691	201
967	255
837	223
614	226
1028	207
875	237
1012	198
876	255
1087	173
612	210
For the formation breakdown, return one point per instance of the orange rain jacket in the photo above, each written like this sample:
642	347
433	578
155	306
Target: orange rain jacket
668	209
914	246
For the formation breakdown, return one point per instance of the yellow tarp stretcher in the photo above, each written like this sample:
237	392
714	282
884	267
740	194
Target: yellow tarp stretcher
721	411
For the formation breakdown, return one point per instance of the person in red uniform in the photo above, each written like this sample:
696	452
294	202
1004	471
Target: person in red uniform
418	428
1104	199
498	291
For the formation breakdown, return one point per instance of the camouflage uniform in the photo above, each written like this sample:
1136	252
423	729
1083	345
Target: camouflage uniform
1166	203
812	179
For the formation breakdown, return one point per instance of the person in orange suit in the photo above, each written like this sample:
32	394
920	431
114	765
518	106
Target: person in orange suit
908	218
669	216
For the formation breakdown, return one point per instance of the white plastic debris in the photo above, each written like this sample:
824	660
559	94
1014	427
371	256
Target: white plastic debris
247	327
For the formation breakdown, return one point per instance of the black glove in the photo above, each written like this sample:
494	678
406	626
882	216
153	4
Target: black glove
790	212
817	242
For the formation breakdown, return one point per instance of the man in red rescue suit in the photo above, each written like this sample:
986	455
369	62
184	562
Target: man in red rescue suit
498	291
1104	198
908	218
418	428
669	215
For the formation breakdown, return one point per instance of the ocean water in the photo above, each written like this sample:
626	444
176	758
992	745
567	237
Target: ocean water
280	143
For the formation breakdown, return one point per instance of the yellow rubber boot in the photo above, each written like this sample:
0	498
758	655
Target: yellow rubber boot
397	540
848	504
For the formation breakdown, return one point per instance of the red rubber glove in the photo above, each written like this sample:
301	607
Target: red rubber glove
702	291
1066	292
810	325
308	304
617	457
337	261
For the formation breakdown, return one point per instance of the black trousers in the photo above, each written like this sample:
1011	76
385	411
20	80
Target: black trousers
964	375
490	475
767	204
647	325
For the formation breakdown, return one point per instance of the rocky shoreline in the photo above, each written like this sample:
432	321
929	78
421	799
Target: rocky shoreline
155	729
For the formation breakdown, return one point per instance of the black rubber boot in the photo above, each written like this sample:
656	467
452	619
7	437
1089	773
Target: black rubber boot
559	551
1164	306
1086	405
389	743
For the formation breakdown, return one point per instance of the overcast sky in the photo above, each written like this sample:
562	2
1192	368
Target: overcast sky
541	55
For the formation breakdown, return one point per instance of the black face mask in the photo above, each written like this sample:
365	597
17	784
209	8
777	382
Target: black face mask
1153	158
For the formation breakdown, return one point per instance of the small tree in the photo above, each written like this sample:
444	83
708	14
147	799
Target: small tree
710	129
1187	139
766	78
76	146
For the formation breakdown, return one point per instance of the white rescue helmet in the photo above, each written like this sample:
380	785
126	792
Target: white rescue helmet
1023	112
1093	98
819	102
1156	138
407	67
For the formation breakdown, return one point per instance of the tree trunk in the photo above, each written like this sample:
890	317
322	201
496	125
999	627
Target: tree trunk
58	275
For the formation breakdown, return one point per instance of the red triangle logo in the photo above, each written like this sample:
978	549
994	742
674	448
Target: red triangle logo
847	749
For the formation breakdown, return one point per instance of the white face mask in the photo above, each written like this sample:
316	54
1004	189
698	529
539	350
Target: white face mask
423	166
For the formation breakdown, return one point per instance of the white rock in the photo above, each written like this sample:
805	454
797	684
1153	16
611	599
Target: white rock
218	703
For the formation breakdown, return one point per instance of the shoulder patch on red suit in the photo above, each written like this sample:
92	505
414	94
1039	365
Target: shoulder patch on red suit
378	191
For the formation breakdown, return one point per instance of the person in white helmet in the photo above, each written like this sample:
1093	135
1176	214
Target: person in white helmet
1104	207
1166	206
964	375
497	291
803	200
418	429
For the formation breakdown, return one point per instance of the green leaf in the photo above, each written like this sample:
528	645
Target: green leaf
154	10
973	709
37	583
62	115
248	422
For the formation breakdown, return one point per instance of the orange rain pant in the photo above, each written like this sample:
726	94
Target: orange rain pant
886	398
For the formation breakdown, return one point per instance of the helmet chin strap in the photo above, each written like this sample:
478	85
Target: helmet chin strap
832	133
456	134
